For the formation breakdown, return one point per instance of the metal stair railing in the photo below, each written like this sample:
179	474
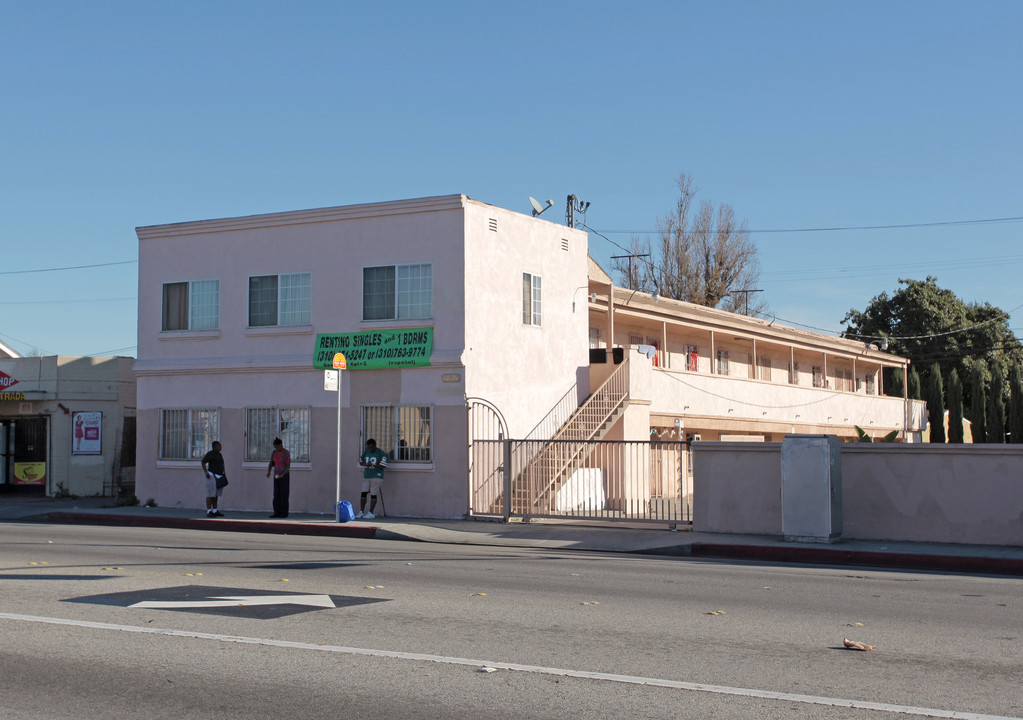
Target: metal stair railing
563	454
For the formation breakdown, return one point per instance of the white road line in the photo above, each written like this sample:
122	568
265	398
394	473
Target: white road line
217	601
607	677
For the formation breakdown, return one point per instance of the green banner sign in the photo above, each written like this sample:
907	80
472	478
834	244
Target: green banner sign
375	349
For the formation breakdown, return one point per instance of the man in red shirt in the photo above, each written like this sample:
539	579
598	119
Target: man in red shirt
280	466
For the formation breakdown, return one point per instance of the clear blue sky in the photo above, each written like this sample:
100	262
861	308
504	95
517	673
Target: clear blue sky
799	114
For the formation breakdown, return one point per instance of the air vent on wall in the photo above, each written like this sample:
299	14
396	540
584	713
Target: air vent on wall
564	244
493	224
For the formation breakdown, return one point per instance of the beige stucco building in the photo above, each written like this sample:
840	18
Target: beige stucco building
66	424
440	303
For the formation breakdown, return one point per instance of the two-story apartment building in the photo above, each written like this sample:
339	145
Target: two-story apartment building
440	303
722	376
230	311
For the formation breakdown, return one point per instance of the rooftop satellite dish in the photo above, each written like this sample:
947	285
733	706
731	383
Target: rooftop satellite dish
538	209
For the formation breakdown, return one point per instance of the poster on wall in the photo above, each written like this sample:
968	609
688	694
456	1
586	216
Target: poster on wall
29	473
88	433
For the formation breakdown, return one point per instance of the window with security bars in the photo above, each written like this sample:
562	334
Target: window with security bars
188	433
280	300
397	292
191	305
290	424
532	297
404	432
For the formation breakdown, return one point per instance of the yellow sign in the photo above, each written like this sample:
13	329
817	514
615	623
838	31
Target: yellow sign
339	361
12	396
29	473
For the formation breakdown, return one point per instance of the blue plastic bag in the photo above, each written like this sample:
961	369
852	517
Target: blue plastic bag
344	511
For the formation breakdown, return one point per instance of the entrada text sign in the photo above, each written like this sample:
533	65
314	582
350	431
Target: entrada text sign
375	349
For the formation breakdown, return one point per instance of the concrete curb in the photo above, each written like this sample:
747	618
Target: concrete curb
221	524
837	556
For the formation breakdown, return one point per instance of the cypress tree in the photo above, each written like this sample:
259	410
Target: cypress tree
978	404
935	405
914	385
895	387
996	409
1015	420
955	407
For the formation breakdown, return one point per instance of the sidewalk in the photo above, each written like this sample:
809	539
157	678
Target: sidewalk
550	534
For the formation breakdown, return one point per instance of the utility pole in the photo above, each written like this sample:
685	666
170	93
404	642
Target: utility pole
574	205
745	294
632	277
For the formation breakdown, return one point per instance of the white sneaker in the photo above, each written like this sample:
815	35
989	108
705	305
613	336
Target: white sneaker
368	516
357	517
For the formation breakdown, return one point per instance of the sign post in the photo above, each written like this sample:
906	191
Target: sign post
340	363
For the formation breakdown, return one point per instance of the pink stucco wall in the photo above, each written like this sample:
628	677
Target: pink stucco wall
478	253
927	493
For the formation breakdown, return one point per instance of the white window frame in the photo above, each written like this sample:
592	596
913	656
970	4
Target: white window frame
407	292
722	364
817	376
293	300
198	315
394	429
199	427
532	300
292	424
692	358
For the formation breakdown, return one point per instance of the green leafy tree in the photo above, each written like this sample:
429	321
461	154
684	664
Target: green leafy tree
978	405
927	323
935	405
996	411
955	407
1015	419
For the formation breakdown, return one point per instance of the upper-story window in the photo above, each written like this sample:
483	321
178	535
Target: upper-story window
397	292
692	358
191	305
532	306
280	300
722	362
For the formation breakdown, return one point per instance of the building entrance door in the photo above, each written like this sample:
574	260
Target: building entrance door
24	447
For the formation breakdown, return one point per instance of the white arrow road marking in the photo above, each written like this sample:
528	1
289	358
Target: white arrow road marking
322	601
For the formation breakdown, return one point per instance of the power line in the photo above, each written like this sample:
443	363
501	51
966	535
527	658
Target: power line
69	267
64	302
845	228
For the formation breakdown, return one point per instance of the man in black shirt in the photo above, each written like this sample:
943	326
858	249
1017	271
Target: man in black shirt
213	468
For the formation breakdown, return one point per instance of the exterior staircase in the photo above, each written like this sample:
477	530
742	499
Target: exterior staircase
553	461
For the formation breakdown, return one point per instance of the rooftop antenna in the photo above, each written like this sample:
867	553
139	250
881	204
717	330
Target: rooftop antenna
538	209
574	205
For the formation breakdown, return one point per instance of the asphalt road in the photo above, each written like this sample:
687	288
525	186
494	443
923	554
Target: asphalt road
126	623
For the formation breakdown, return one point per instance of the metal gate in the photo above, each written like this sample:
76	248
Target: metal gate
595	480
487	430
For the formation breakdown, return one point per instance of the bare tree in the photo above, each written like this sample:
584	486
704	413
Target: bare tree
702	255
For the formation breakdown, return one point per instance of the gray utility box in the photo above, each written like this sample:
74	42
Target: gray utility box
811	488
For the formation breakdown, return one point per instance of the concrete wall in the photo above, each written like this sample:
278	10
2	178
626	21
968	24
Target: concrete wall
970	494
704	394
